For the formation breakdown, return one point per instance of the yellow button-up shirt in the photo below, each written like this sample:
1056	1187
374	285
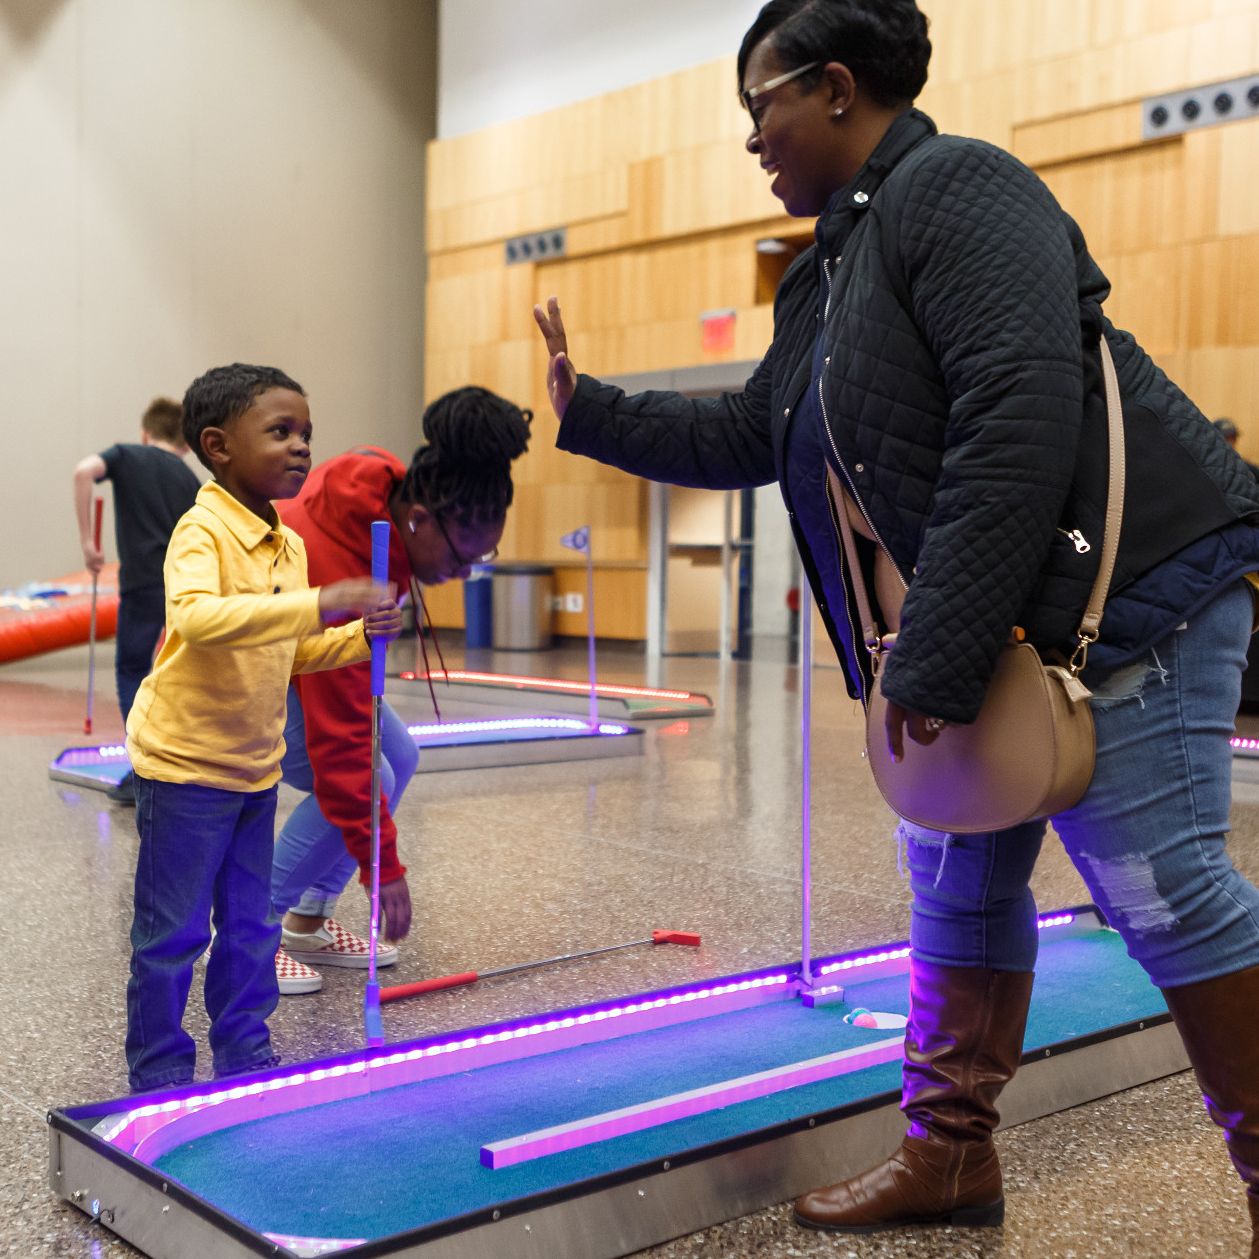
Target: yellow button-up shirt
240	621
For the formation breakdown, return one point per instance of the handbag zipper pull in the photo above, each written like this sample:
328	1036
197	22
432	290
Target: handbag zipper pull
1078	540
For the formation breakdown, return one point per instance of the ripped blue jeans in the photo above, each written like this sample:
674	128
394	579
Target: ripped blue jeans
1147	838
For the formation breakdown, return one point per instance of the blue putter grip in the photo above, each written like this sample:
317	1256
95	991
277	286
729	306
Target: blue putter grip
373	1025
380	573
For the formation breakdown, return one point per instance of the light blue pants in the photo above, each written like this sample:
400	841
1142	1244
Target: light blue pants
312	866
1147	838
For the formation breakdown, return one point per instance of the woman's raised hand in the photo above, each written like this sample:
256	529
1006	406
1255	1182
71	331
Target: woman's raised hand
561	379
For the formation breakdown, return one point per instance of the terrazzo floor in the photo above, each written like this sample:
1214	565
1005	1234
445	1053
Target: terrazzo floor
701	832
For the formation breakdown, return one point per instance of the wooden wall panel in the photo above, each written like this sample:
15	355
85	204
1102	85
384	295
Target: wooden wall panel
1217	377
445	609
664	207
678	279
478	307
620	602
1223	47
472	258
615	512
1238	153
1075	137
701	189
1148	297
529	210
1225	310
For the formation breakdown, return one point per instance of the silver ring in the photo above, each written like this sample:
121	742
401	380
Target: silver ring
935	724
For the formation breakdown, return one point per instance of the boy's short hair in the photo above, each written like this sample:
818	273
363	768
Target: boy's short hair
223	394
163	421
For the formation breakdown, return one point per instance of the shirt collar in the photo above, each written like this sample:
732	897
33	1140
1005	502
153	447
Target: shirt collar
248	529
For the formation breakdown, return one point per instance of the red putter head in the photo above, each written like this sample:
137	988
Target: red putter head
676	937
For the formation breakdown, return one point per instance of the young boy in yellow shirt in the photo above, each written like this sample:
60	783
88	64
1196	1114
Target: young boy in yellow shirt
205	734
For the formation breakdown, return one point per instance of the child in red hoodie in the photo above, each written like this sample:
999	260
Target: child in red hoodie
448	510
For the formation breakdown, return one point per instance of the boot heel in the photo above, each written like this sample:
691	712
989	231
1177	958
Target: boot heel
978	1217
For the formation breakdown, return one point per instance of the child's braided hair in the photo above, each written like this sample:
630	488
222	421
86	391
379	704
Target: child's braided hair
463	471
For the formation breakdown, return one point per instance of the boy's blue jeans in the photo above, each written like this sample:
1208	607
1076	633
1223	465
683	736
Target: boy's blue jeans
202	851
312	865
1147	838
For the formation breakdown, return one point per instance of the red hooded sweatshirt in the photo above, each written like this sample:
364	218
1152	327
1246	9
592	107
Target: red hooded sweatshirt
333	515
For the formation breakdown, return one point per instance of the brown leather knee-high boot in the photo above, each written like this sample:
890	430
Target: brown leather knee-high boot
1218	1020
962	1045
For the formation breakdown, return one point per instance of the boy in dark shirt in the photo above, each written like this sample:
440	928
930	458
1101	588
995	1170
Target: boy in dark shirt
153	487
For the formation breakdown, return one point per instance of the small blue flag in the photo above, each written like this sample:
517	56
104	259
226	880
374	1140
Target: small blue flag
578	540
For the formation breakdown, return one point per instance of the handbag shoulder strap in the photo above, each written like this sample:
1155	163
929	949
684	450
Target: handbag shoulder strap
870	632
1091	621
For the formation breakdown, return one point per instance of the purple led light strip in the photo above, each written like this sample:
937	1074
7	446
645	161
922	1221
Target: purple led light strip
312	1246
440	730
92	756
899	951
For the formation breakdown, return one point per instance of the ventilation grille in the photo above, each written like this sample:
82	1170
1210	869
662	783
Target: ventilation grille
1175	112
537	246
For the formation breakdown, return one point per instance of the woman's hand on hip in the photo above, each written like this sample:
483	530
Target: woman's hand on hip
561	378
922	729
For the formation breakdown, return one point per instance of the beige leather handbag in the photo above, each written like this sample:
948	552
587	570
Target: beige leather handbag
1029	753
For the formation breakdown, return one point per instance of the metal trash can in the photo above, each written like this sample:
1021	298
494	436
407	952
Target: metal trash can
521	600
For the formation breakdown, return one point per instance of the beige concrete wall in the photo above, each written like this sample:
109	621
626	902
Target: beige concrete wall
188	182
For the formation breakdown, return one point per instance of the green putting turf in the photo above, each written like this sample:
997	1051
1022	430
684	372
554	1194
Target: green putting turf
678	708
409	1156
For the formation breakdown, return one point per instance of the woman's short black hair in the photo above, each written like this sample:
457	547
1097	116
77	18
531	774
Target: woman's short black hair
224	394
463	471
883	42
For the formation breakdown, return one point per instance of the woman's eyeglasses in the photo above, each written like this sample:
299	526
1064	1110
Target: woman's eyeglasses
488	558
749	95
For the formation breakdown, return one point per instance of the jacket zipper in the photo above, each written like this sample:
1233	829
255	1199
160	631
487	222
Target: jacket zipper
830	437
852	628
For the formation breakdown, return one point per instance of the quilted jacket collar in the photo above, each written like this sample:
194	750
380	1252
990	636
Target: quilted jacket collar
846	206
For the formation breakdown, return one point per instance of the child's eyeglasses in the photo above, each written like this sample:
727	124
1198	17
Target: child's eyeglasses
488	558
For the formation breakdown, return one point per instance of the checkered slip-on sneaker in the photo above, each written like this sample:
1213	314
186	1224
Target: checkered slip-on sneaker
333	945
294	978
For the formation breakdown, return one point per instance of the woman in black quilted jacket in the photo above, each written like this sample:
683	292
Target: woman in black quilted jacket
937	348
